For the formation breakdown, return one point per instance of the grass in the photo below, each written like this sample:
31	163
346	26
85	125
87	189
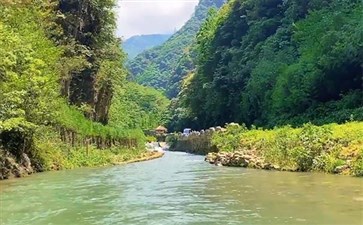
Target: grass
71	118
50	153
308	148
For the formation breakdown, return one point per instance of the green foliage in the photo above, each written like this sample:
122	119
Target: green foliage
358	164
276	62
327	163
50	153
71	118
309	148
171	140
93	61
164	66
88	158
151	139
92	157
137	106
27	71
230	139
42	57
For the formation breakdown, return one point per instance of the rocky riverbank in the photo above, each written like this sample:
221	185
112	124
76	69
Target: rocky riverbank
239	159
249	159
331	148
198	143
12	168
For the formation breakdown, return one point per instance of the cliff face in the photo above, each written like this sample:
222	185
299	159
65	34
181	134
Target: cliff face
83	25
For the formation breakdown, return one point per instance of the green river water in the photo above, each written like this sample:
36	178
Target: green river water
180	189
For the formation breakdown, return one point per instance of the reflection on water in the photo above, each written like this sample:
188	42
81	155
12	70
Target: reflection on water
180	189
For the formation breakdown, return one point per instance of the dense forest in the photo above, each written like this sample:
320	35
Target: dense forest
137	44
275	62
139	107
164	67
63	87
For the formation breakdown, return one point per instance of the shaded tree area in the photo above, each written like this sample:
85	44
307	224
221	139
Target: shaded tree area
276	62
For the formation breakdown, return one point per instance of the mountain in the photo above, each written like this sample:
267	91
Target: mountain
137	44
273	62
155	67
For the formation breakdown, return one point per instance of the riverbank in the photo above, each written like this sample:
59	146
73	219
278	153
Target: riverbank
11	168
331	148
146	157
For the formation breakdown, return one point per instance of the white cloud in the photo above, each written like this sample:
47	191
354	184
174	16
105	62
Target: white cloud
137	17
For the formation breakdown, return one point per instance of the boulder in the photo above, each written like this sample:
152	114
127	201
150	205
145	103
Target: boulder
276	167
211	158
25	162
340	169
248	157
10	168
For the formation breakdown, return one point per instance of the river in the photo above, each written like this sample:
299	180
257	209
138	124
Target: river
180	189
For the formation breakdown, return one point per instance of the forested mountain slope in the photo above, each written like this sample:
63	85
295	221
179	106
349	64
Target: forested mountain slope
138	107
60	74
137	44
276	62
156	66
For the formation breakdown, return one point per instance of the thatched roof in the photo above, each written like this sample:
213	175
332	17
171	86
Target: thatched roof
161	128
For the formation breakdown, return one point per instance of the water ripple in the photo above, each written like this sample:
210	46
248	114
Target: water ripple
180	189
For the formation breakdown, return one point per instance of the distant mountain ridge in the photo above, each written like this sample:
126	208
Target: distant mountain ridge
139	43
164	66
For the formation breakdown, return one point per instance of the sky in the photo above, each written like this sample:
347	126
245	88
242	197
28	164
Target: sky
135	17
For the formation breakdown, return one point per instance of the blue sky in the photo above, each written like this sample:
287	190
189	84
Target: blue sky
137	17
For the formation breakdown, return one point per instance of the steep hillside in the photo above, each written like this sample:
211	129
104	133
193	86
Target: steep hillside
137	44
60	74
138	107
276	62
156	66
90	48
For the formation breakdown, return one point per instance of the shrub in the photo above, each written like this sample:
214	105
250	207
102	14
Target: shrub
151	139
320	148
229	140
171	140
357	164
